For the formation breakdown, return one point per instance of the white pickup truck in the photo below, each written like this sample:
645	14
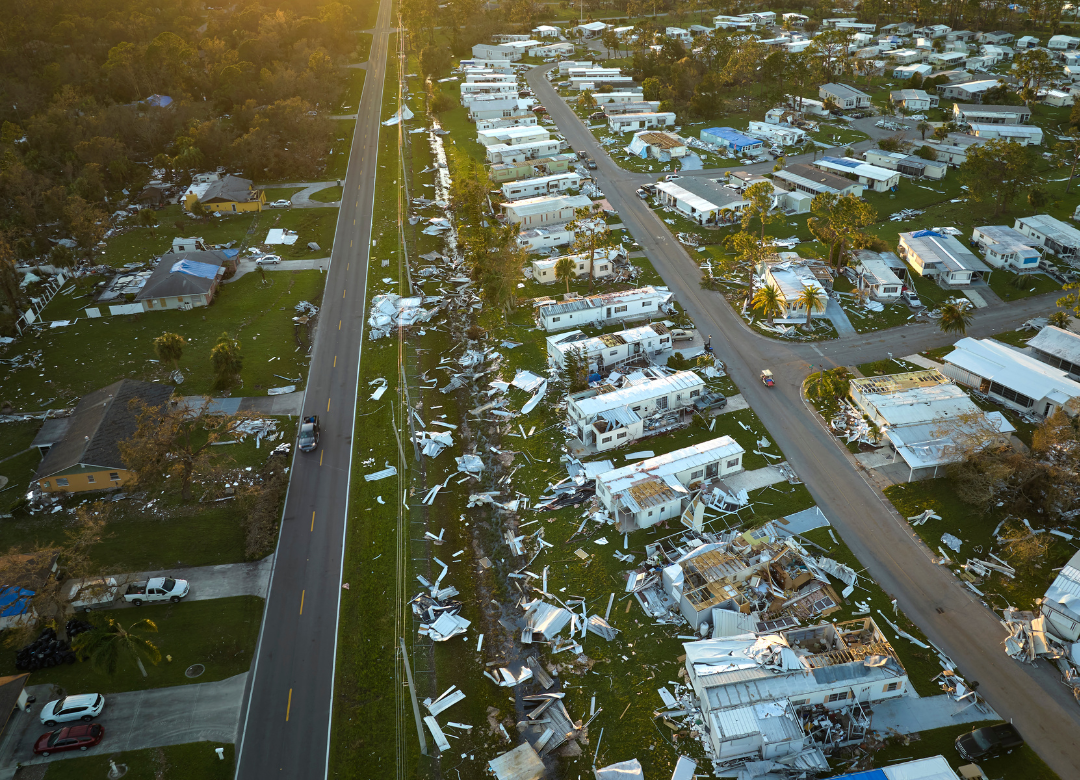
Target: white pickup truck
156	589
86	595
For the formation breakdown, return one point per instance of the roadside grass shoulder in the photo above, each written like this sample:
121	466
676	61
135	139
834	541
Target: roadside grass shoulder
337	161
350	100
328	195
1022	762
92	353
220	634
193	761
976	531
363	46
311	225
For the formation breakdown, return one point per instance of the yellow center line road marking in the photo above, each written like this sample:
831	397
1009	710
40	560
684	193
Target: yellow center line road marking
328	404
288	706
343	293
312	519
339	324
350	242
335	361
302	601
320	457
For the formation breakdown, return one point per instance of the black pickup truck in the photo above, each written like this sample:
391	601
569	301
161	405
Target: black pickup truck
988	741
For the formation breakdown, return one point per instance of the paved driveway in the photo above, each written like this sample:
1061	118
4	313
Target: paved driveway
213	582
201	712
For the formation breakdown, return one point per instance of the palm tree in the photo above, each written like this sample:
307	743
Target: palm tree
813	299
954	319
1059	319
587	99
147	218
109	643
768	302
564	270
923	127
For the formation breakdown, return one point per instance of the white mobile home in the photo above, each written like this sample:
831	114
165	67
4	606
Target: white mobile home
645	493
1003	247
847	98
494	51
512	136
625	123
1012	378
604	418
626	306
602	265
941	257
541	186
907	164
602	354
504	153
1054	235
874	273
701	200
1024	135
543	211
870	176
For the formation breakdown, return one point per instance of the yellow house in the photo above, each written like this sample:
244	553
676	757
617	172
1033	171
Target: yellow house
87	455
224	193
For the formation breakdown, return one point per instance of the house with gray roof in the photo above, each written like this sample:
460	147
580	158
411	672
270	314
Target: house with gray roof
87	456
185	280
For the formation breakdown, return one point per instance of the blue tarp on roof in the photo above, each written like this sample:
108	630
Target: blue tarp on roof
230	253
727	136
161	101
14	601
842	161
926	233
194	268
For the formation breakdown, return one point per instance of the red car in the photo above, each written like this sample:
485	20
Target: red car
80	737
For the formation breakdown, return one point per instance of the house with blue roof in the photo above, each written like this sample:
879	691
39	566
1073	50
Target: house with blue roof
732	140
14	605
185	280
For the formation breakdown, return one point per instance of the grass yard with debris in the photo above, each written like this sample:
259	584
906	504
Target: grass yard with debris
1022	763
92	353
976	532
218	633
1014	287
193	761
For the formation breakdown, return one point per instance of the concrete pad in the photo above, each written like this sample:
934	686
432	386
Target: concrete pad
287	404
227	406
910	715
882	456
201	712
752	480
975	298
838	317
734	404
919	360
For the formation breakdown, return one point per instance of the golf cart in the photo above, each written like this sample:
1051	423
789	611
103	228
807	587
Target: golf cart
766	378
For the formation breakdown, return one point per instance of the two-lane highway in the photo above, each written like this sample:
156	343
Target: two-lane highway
285	729
1042	708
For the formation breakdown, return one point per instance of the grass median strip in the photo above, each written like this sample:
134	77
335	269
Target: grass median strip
193	761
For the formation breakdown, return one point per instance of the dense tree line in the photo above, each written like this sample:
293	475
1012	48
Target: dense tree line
246	83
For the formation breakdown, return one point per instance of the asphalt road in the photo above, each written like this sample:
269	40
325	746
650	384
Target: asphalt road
1042	709
285	731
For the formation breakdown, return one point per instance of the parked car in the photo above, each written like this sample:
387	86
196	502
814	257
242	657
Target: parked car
85	595
86	707
309	434
710	401
988	741
156	589
641	193
672	177
678	334
597	116
80	737
268	260
281	204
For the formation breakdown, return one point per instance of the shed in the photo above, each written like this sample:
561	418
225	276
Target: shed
521	763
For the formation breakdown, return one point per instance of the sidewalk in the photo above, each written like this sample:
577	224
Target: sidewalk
910	714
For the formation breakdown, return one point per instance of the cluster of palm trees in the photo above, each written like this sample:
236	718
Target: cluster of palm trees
768	301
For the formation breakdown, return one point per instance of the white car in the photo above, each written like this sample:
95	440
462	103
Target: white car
84	707
268	260
281	204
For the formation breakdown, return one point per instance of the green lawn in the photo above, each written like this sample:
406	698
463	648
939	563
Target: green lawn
866	321
350	100
976	532
883	367
328	195
1012	287
1021	764
338	161
19	470
280	193
363	46
140	245
93	353
193	761
218	633
16	437
930	293
316	225
1015	338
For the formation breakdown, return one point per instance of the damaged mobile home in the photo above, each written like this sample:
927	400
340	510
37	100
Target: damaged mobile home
626	306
